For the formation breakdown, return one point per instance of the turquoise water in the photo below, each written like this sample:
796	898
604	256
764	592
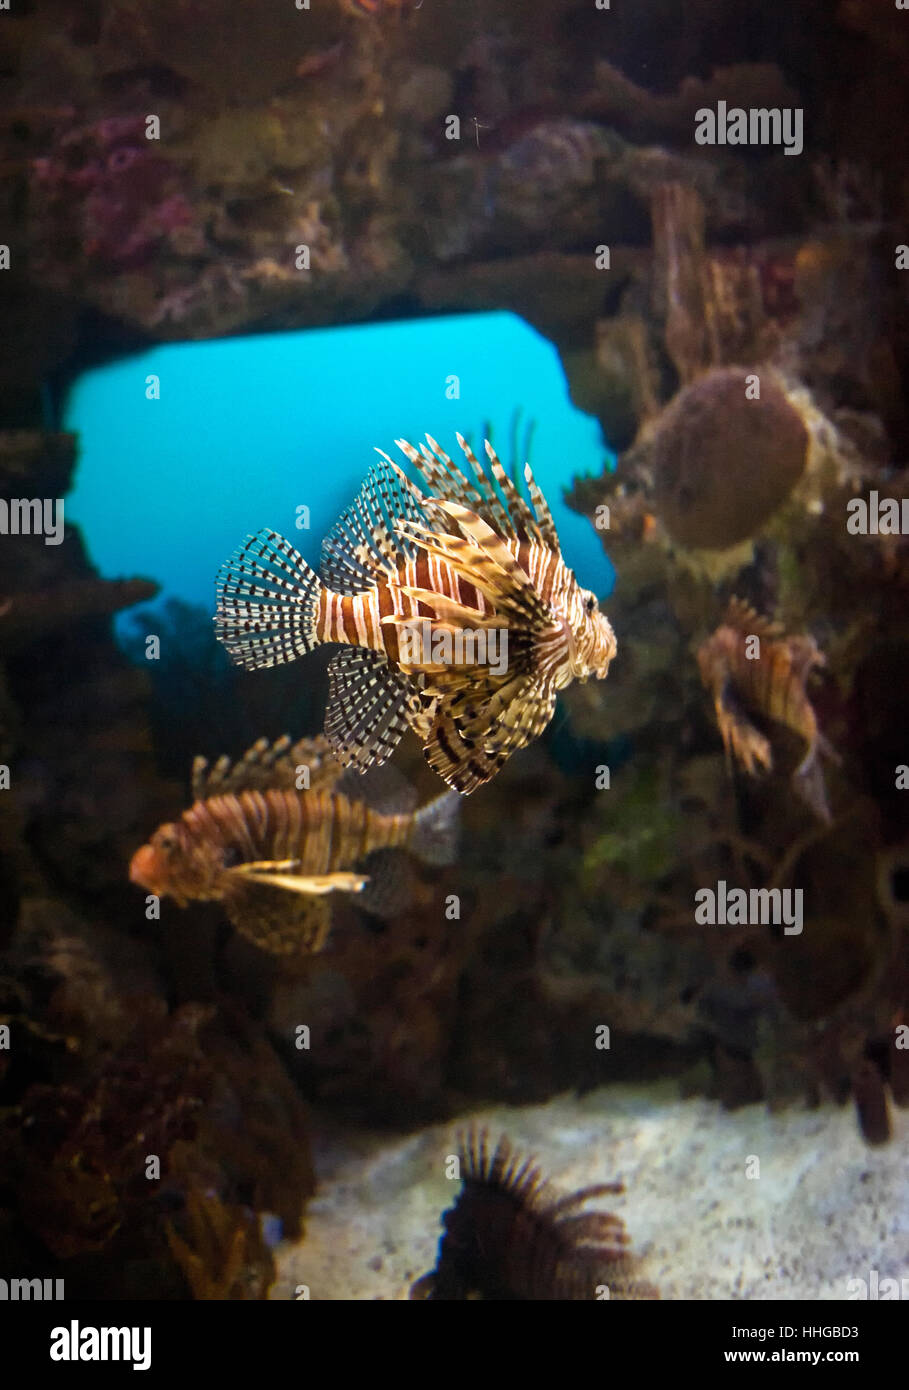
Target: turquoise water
248	430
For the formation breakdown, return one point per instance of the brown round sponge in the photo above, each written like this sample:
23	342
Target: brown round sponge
723	464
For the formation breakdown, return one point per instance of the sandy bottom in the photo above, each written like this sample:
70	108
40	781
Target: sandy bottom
825	1208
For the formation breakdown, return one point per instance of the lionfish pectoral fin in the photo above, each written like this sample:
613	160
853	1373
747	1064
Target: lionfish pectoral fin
470	741
506	585
444	609
367	707
743	743
489	542
257	866
470	524
280	924
278	874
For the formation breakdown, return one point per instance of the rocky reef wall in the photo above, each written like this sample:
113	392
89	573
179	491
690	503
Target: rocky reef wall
190	170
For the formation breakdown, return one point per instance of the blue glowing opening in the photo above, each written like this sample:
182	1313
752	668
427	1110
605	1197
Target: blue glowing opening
248	431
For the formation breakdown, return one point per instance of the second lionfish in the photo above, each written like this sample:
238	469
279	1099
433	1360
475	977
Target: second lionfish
272	852
750	666
417	589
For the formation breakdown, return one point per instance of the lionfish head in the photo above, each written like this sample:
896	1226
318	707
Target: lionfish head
163	868
593	643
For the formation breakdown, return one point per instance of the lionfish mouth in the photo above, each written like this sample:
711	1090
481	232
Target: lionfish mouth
145	869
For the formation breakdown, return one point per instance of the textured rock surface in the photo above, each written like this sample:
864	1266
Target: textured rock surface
326	129
330	128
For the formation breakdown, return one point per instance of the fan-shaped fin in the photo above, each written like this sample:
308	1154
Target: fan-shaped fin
366	712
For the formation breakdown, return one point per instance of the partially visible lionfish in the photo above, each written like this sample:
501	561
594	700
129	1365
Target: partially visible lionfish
509	1236
471	559
772	684
271	853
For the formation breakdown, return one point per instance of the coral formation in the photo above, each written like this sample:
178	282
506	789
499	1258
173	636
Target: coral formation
744	348
702	500
102	1073
739	484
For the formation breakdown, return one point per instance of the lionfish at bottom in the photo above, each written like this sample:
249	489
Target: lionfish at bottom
509	1236
473	560
771	684
271	854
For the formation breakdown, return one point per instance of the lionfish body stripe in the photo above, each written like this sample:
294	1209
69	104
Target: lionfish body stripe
322	832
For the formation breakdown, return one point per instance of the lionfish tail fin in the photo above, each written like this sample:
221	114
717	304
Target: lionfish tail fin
436	830
267	603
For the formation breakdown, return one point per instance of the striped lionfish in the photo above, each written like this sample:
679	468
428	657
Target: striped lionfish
472	561
271	853
509	1236
771	684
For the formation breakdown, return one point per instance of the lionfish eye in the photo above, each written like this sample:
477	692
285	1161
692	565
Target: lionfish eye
591	603
166	842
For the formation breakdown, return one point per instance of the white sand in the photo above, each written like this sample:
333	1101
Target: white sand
825	1209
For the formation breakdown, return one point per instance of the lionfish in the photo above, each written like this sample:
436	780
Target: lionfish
771	684
271	853
469	567
508	1236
